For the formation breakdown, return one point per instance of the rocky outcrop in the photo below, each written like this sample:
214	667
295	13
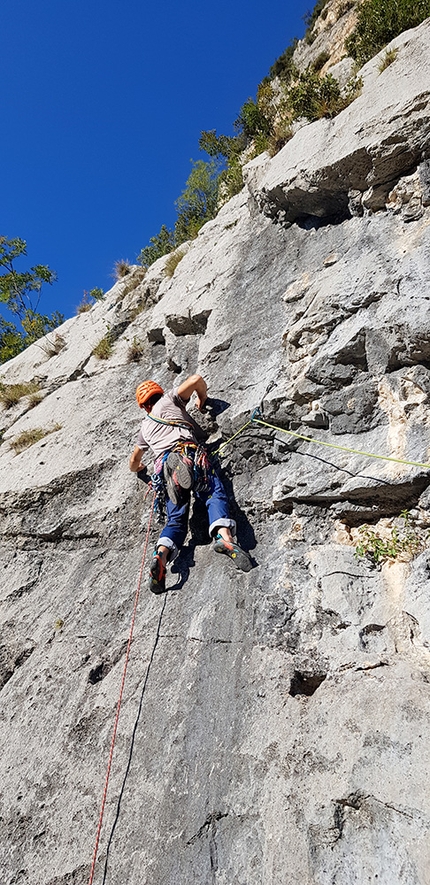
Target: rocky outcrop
341	167
274	724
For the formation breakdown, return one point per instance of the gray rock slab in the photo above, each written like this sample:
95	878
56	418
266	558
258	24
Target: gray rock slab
274	724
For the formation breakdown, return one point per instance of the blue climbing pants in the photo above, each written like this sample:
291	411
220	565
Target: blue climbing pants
175	530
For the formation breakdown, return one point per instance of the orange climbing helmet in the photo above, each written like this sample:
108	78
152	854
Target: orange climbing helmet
146	390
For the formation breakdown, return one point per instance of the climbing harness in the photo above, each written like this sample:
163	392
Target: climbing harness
118	709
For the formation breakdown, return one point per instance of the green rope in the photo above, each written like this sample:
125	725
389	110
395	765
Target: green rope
224	444
321	442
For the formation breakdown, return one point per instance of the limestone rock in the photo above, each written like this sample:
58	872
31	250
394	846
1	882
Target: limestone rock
274	724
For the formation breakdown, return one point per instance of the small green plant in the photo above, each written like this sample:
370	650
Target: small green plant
135	351
103	350
97	293
252	120
388	59
10	394
405	538
172	262
121	268
28	437
59	624
232	178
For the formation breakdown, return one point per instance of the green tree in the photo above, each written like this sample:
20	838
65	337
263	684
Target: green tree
218	145
20	294
159	245
252	121
198	201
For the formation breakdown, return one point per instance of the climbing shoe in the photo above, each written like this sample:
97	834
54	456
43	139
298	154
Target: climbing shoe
157	574
178	473
239	557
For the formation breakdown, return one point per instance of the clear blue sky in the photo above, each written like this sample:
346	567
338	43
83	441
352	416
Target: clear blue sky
103	105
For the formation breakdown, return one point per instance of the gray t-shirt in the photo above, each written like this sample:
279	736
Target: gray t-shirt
162	437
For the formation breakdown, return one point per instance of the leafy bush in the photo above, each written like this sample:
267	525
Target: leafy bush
314	97
218	145
231	179
97	293
252	120
29	437
10	394
403	539
379	21
320	61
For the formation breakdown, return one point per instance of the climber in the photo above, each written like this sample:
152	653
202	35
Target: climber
176	443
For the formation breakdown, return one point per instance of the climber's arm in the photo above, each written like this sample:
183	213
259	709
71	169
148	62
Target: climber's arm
194	383
135	462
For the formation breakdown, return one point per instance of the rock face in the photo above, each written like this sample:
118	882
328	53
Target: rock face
274	724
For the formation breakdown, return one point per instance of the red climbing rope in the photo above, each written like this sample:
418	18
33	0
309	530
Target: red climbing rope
124	672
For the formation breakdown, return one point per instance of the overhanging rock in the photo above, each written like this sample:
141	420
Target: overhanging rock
383	135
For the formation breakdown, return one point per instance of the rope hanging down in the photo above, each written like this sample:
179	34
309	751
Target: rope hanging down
124	673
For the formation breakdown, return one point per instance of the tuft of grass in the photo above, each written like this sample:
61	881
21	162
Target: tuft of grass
34	400
172	262
29	437
52	346
388	58
10	394
85	304
135	351
103	350
121	268
89	298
